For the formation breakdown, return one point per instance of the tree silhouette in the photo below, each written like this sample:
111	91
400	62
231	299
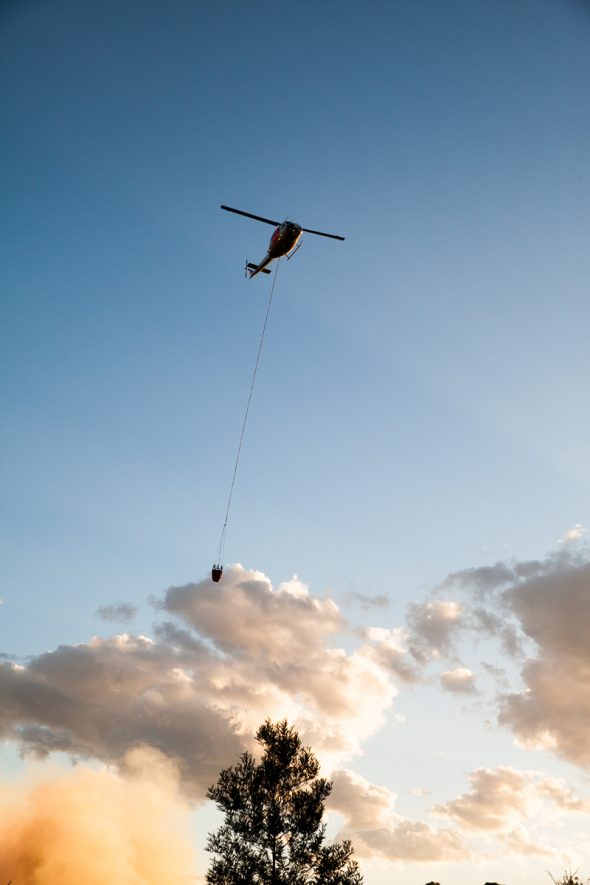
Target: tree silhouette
568	878
273	832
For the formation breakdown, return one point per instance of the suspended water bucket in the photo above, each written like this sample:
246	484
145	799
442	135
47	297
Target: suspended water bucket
216	573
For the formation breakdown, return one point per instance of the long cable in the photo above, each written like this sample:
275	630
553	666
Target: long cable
231	490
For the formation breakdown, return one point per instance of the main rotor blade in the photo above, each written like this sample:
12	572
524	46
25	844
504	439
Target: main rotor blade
249	215
321	234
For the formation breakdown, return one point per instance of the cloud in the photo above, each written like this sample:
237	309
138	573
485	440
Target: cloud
96	826
389	649
376	830
102	698
482	619
432	626
574	534
553	610
501	798
480	580
519	842
539	611
224	657
563	796
123	611
243	615
496	797
380	600
229	656
459	681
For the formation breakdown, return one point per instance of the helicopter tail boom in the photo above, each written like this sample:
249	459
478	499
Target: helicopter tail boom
252	269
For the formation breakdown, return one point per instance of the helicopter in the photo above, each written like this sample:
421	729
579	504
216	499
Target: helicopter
285	240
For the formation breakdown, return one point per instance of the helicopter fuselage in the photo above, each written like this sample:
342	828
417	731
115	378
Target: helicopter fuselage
284	239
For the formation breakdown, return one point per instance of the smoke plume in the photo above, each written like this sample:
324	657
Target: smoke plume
64	828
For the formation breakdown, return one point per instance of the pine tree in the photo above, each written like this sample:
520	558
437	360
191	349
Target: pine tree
273	832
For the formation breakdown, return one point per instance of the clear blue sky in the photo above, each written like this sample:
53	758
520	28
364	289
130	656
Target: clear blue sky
422	400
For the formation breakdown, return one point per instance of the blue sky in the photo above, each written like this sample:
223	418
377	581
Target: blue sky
421	404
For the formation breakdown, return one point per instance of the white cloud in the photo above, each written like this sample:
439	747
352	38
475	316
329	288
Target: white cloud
496	797
198	691
502	799
539	611
224	657
377	831
459	681
519	841
574	534
244	614
390	651
563	795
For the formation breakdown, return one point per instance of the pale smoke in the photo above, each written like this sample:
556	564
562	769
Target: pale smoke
96	827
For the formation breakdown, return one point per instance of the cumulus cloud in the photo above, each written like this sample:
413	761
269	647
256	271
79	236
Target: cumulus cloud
228	656
243	615
102	698
459	681
539	612
96	826
377	831
501	799
495	798
553	610
122	612
224	657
